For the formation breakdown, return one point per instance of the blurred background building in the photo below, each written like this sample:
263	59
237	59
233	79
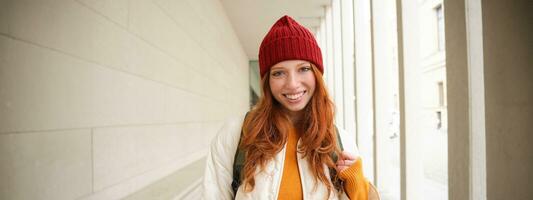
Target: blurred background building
119	99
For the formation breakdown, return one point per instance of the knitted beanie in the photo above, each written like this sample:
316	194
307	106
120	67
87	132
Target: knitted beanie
288	40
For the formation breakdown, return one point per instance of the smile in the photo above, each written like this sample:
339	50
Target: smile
295	96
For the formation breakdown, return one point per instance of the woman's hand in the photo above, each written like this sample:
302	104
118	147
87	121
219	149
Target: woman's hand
346	159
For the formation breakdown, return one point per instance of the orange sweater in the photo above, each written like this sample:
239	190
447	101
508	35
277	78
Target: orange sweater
355	185
291	187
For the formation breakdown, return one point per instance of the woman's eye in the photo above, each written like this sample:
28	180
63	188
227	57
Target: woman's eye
275	74
305	69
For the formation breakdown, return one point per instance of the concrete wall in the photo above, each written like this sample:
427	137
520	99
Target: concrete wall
100	98
508	74
459	112
489	98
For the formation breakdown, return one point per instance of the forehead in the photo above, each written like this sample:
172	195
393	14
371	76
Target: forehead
289	64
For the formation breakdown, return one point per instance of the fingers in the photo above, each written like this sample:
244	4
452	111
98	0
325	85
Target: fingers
341	168
341	165
346	160
348	156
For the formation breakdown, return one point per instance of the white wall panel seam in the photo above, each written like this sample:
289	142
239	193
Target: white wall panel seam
126	29
112	68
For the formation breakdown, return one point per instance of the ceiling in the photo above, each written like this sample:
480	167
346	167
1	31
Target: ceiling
251	19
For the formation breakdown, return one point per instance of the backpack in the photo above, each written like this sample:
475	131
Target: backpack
238	161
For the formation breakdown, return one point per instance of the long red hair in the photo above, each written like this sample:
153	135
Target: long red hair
266	127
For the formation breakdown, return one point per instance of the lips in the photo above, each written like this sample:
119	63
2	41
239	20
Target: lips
294	96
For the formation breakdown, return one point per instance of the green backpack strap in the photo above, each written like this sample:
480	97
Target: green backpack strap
339	144
339	141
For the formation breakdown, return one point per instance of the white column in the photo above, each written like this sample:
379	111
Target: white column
459	179
477	100
337	63
348	65
363	85
385	87
328	65
409	74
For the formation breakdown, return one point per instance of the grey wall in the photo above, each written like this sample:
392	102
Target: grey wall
101	98
508	61
504	110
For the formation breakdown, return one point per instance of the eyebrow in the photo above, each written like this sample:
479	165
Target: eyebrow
304	63
298	65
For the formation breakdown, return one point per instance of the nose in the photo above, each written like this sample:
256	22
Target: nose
293	81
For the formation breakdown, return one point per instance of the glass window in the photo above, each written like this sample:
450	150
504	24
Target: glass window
440	27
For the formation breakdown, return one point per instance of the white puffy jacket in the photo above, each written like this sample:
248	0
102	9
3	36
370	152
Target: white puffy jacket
219	169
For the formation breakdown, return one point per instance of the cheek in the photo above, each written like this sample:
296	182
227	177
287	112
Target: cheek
311	82
275	87
275	92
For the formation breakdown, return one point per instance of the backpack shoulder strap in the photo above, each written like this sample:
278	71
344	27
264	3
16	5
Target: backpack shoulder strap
339	144
339	141
238	164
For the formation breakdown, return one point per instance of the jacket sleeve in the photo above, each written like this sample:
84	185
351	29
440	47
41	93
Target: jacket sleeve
355	184
218	173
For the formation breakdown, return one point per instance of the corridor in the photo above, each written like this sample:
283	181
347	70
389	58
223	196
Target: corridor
120	99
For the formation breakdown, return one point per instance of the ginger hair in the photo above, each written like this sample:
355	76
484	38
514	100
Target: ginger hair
266	127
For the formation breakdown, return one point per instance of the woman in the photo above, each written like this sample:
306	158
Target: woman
289	140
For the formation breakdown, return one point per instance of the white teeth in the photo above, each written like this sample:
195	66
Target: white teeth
294	96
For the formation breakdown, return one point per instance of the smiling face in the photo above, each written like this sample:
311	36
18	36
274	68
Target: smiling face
292	83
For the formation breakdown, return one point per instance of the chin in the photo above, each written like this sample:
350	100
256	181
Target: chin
295	108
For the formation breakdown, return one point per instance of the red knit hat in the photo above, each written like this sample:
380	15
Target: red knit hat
288	40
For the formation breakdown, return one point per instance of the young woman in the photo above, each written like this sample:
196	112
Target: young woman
289	140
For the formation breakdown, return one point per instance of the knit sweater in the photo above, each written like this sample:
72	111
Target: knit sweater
355	184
